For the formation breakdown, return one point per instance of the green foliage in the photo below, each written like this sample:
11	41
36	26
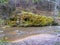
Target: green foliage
1	21
3	42
3	1
35	1
30	19
11	21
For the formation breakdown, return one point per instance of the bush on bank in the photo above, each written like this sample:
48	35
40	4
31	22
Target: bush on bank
30	19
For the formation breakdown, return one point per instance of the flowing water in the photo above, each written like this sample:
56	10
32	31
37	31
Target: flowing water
26	31
18	33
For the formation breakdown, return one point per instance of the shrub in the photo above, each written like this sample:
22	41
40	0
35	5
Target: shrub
30	19
12	21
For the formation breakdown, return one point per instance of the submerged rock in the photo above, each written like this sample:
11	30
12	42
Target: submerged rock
41	39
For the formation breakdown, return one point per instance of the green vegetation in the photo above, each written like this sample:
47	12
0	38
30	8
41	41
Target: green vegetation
30	19
12	22
3	1
1	21
3	42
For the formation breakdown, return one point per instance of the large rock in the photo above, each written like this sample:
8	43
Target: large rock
41	39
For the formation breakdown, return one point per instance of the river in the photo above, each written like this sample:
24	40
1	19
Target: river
15	33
